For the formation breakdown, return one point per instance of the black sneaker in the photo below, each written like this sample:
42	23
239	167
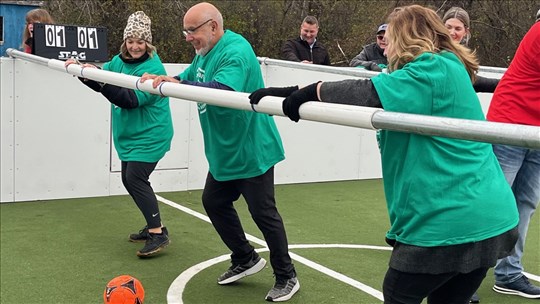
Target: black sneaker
475	298
236	272
143	235
139	237
520	287
283	290
154	243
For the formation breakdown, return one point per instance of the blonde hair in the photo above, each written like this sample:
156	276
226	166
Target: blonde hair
414	30
37	15
150	49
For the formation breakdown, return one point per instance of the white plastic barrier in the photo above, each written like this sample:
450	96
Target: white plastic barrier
56	132
55	141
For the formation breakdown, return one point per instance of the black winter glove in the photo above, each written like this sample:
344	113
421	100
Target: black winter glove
375	67
92	84
256	96
291	104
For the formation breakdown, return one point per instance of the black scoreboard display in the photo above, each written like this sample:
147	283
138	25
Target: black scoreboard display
62	42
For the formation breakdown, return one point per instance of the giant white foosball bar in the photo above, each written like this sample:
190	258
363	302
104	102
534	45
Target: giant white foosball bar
345	115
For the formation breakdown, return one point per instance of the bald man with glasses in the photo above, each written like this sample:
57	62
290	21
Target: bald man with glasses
241	147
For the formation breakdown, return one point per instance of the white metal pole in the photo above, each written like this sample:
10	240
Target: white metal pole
346	115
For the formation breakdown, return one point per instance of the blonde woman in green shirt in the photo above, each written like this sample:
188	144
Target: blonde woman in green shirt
141	126
434	186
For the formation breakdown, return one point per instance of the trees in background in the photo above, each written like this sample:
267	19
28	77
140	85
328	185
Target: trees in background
497	26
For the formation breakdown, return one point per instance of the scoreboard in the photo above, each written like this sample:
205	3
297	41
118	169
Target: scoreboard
57	41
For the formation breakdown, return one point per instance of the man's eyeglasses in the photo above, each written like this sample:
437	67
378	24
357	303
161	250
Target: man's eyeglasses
192	31
380	37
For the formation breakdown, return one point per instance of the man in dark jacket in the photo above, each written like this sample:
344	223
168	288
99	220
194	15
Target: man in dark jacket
306	48
372	55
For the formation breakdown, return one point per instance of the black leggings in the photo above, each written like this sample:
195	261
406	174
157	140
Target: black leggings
135	177
446	288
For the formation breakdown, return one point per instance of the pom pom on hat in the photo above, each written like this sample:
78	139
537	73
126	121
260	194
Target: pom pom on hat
138	26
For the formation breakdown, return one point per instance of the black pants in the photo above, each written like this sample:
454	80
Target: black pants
218	198
135	177
447	288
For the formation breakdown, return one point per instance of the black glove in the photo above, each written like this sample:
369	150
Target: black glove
292	104
375	67
256	96
92	84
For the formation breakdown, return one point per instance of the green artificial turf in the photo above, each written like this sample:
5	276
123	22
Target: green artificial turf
65	251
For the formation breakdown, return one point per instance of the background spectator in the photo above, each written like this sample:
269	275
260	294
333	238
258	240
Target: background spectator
37	15
306	48
517	100
457	21
372	55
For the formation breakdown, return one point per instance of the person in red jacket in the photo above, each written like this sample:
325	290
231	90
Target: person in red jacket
517	100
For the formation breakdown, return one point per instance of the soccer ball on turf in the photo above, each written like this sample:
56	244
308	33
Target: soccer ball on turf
123	289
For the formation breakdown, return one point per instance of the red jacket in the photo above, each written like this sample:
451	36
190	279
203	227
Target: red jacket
517	97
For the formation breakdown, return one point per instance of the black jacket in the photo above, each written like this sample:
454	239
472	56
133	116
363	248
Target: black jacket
299	50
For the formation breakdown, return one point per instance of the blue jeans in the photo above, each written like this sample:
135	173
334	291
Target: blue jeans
521	167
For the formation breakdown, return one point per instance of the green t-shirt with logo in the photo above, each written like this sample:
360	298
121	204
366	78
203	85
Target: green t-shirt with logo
144	133
440	191
238	144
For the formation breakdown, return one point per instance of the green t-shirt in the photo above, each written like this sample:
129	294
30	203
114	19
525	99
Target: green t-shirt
440	191
144	133
238	144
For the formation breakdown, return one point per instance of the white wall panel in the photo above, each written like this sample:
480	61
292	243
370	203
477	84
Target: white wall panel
61	136
56	142
7	150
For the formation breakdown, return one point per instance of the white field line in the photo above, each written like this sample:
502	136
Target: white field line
174	294
532	276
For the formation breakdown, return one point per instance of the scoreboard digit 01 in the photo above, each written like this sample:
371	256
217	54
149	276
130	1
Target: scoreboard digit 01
57	41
